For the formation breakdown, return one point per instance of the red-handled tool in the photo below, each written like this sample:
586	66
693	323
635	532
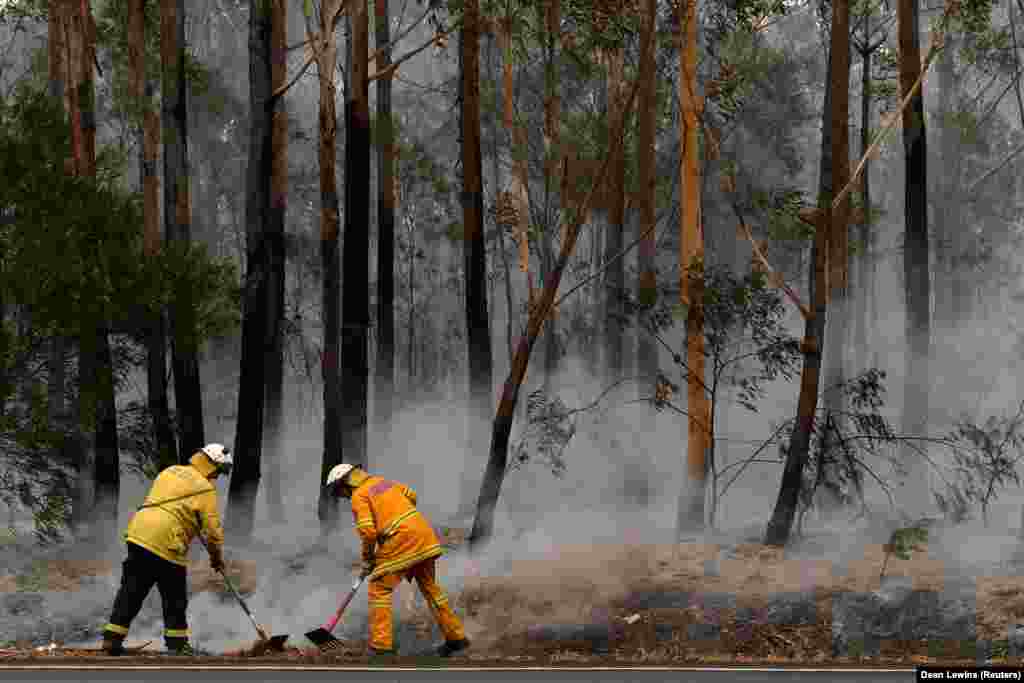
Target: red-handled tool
323	637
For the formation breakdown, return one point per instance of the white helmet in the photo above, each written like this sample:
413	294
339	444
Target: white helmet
338	473
219	455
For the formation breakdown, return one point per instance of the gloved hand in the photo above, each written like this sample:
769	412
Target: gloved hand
368	560
366	569
217	559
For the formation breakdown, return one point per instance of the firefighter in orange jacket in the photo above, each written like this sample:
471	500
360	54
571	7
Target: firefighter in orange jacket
181	504
398	542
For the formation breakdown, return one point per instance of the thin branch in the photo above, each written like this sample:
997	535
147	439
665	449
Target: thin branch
988	174
677	358
384	73
394	40
804	310
936	45
764	445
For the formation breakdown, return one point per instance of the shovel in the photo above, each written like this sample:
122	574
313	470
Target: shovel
322	637
266	642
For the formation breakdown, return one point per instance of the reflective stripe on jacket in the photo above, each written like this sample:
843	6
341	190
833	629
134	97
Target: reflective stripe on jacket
385	513
181	497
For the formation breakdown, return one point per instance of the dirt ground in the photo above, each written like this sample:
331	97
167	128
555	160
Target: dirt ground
559	610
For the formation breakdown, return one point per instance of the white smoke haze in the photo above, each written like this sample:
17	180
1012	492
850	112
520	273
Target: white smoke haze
564	539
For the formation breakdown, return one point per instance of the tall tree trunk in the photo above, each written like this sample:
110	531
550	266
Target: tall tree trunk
188	400
385	366
474	254
915	255
95	343
691	514
328	509
835	170
355	305
833	396
275	424
638	481
490	489
615	273
864	273
149	139
249	424
551	18
493	48
67	449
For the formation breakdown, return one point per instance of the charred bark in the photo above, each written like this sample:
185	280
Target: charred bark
328	511
355	305
249	426
385	365
835	169
474	251
915	255
274	244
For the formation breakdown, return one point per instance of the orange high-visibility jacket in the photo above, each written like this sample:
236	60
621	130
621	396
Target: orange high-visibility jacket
385	513
168	521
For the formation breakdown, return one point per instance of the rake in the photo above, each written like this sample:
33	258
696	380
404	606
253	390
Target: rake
322	637
266	642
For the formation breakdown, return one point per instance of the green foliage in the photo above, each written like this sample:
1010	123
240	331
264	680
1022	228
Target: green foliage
746	341
71	259
908	540
903	543
985	462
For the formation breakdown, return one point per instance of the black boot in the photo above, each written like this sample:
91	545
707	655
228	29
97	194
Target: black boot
113	644
179	647
450	647
381	656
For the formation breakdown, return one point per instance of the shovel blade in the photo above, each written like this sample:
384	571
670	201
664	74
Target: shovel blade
277	642
323	639
274	644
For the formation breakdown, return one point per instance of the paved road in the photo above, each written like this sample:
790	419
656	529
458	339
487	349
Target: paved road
152	674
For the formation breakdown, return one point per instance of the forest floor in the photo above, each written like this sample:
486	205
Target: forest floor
745	604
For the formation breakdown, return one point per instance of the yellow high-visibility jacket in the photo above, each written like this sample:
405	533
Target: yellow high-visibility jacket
168	520
386	515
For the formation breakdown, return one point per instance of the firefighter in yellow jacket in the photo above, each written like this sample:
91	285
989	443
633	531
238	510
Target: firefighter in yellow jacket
181	504
398	542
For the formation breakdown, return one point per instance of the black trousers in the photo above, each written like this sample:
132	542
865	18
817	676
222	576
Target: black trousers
140	570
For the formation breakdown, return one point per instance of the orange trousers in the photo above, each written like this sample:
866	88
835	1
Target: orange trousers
381	591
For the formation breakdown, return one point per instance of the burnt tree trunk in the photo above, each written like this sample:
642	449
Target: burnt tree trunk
188	400
355	305
274	244
249	426
494	475
328	511
385	366
835	170
474	251
915	255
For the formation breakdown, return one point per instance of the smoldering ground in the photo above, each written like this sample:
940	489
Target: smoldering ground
568	552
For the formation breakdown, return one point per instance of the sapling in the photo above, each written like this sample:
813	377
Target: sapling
902	543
